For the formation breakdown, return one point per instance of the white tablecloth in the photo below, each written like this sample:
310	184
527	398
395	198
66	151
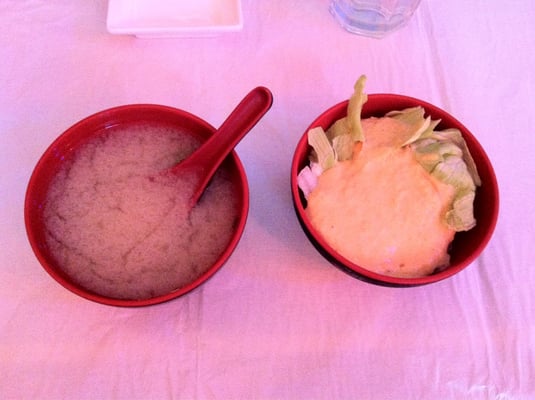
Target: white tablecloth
277	321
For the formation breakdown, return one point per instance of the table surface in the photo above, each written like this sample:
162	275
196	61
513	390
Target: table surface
277	321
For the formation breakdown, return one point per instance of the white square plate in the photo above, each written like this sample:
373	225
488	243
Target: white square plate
172	18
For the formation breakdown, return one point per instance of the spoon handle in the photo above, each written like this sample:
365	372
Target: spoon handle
207	158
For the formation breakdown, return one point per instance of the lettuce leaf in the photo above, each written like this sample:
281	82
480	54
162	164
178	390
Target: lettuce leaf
323	149
444	155
354	110
337	143
415	117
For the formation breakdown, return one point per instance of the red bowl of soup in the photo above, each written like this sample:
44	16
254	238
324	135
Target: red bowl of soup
107	226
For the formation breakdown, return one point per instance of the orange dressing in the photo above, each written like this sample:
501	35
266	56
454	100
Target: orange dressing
382	210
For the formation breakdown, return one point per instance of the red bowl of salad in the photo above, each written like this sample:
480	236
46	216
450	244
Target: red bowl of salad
394	190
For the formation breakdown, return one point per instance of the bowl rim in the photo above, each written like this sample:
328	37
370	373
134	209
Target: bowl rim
102	118
339	110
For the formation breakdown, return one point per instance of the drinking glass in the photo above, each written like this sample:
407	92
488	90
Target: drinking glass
374	18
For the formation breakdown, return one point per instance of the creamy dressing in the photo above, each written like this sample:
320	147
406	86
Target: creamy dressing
381	209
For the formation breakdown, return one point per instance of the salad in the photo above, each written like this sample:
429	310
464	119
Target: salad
389	193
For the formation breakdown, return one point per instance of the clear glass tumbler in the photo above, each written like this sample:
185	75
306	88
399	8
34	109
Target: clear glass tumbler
375	18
